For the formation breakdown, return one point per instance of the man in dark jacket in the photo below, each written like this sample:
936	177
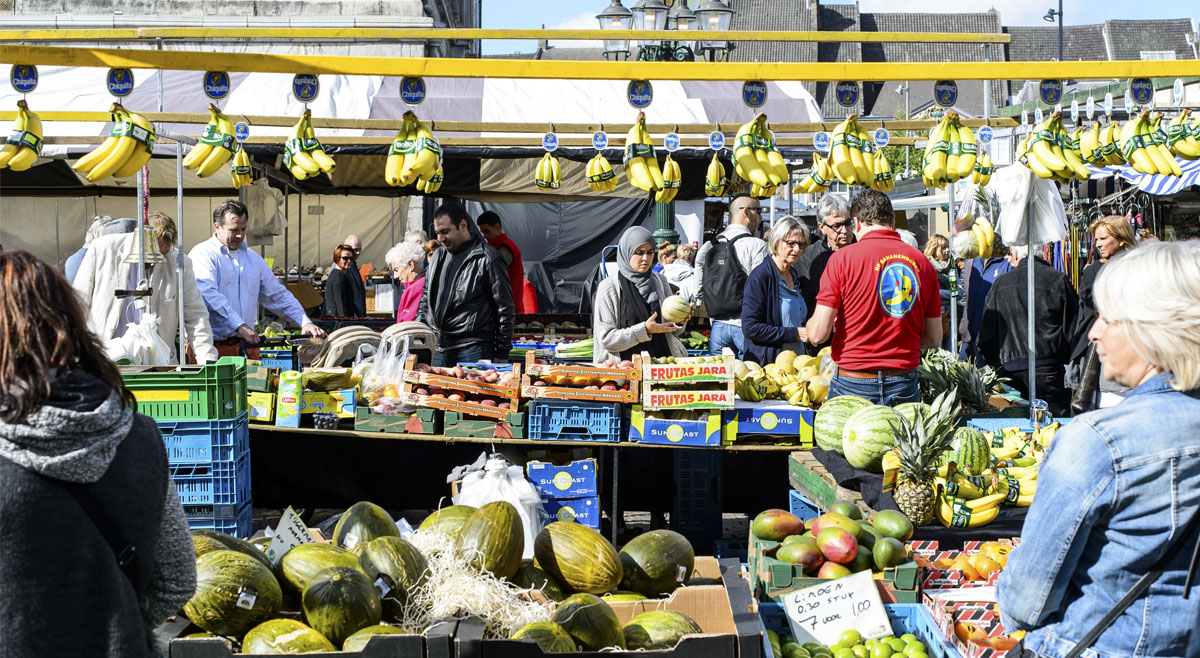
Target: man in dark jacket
833	217
468	299
1003	338
982	273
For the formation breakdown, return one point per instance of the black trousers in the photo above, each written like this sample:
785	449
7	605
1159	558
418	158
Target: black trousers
1050	387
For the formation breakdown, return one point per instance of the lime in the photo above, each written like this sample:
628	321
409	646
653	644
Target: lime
843	652
796	651
850	638
897	644
908	638
882	650
861	652
812	646
914	649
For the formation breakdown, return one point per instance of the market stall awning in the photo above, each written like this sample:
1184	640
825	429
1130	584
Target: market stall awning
1154	183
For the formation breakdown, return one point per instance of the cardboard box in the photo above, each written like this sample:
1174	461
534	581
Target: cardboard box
261	406
340	402
688	369
575	479
704	432
777	419
983	614
422	421
584	511
261	378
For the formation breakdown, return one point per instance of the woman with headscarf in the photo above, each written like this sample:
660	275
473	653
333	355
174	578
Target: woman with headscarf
627	312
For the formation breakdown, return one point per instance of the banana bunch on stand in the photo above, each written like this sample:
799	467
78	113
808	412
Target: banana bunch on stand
981	173
414	157
780	380
24	144
1145	149
820	177
1087	142
1048	152
671	178
215	147
950	153
126	150
1183	136
977	241
715	179
851	153
548	175
600	174
756	158
239	171
641	167
303	154
884	182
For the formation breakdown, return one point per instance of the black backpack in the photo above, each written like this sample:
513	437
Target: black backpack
724	280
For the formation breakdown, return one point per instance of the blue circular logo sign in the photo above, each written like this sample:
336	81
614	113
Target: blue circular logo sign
846	93
23	77
899	289
985	134
640	94
1075	111
1091	108
216	85
305	87
1127	102
754	93
600	140
671	142
120	82
412	90
241	130
1050	91
716	140
1108	104
881	137
821	141
945	93
1177	92
1038	115
1142	90
550	141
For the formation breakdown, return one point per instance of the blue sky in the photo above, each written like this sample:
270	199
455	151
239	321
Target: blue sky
580	14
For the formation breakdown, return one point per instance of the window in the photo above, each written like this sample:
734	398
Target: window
1149	55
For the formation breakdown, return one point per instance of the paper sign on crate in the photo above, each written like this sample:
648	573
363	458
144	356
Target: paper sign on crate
290	532
821	613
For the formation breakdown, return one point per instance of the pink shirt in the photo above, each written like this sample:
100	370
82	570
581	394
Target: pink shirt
410	300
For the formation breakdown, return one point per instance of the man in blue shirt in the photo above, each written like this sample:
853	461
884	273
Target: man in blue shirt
233	280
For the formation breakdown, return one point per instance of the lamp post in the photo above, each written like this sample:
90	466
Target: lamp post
665	17
1050	17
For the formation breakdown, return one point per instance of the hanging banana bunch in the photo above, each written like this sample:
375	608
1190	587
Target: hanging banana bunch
240	169
950	153
25	143
600	174
851	153
215	146
671	178
641	167
884	182
548	175
415	154
303	154
1181	136
715	179
981	173
126	150
820	177
1049	152
756	159
1145	150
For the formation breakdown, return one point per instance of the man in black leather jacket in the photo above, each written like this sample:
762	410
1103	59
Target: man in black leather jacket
467	299
1003	337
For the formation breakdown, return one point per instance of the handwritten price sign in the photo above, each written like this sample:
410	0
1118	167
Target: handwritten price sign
821	613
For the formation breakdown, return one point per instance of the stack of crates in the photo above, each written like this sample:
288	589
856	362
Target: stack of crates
201	413
696	510
569	489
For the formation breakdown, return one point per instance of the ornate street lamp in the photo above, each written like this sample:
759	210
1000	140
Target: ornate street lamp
714	16
615	18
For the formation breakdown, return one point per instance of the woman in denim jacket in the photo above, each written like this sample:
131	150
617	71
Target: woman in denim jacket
1119	484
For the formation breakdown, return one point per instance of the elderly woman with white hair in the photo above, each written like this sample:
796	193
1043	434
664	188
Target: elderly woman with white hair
407	260
1111	539
773	308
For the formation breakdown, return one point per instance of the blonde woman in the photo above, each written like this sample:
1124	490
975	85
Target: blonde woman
1111	235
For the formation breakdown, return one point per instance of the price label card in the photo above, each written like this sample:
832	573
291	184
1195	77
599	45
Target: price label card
290	532
821	613
987	593
1177	92
1108	104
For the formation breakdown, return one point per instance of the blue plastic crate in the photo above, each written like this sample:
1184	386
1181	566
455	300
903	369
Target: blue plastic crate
228	519
206	440
737	549
998	424
568	420
801	506
703	352
905	618
284	358
213	483
475	365
696	507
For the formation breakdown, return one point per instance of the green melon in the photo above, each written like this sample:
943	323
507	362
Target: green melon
657	562
493	539
549	636
447	520
658	629
284	636
619	595
578	557
359	639
204	545
590	621
340	601
223	578
869	434
236	544
301	564
530	577
830	420
361	523
970	450
401	562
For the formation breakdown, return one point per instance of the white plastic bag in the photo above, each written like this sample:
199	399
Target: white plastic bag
141	345
501	481
1018	190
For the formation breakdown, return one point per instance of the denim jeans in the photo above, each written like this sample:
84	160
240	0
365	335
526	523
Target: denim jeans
725	335
465	354
887	391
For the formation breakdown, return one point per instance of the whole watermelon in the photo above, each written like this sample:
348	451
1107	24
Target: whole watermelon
222	579
657	562
284	636
340	601
447	520
301	564
578	557
361	523
236	544
530	577
590	621
359	639
909	411
658	629
869	434
493	539
549	636
970	450
401	562
830	420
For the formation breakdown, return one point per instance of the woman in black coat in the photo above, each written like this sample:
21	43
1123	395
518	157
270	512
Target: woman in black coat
345	294
773	308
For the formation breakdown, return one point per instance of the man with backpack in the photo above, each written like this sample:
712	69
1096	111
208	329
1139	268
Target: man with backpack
721	270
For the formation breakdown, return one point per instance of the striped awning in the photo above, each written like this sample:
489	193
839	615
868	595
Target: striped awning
1154	183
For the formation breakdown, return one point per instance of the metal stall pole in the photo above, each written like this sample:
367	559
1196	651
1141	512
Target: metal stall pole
1031	345
392	222
57	245
953	284
179	256
287	214
616	519
143	284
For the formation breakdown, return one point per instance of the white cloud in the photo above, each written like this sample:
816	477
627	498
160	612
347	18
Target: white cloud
1012	12
584	21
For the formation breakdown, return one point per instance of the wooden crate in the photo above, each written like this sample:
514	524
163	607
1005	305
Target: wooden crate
423	421
808	476
510	393
511	426
657	395
537	370
688	369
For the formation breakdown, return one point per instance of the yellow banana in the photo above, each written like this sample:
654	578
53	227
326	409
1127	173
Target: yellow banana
115	158
762	152
862	171
314	148
639	152
968	150
656	175
295	145
29	139
840	156
97	155
956	513
222	148
745	156
402	145
775	157
141	152
13	143
715	179
428	155
208	138
937	153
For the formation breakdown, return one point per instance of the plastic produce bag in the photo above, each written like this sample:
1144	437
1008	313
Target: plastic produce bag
1017	189
141	345
500	480
382	385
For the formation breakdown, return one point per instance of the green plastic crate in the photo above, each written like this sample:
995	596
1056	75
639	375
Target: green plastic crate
211	392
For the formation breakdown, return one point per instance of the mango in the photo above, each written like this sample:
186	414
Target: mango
837	545
776	524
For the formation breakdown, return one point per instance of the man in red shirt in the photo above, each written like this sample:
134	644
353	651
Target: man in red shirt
489	226
880	299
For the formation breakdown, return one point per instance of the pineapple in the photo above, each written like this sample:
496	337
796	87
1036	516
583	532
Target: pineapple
919	445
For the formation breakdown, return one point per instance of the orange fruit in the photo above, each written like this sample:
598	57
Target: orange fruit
1003	643
943	563
969	571
997	553
966	631
985	566
1017	635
